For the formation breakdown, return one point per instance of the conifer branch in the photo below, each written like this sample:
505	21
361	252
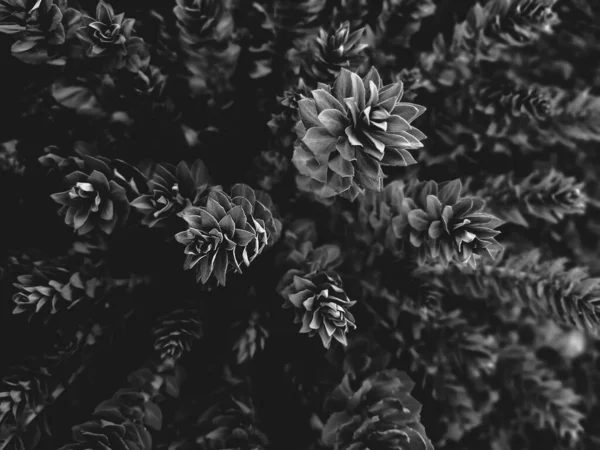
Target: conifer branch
454	358
486	34
514	22
546	195
491	116
547	288
508	100
540	397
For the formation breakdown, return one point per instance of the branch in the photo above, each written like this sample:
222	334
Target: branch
546	195
547	288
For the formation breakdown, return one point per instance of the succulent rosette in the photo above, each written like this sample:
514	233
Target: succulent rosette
98	197
229	231
320	305
40	28
117	423
444	226
380	414
172	189
333	50
109	34
349	131
92	202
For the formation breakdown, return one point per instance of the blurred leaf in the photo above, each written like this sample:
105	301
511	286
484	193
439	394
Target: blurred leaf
79	98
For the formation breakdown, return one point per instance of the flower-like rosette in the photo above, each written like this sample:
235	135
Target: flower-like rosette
170	190
259	207
128	403
348	132
444	226
112	427
92	202
380	414
105	30
320	305
333	50
39	27
109	34
226	233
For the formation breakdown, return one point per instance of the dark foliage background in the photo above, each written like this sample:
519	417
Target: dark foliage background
436	294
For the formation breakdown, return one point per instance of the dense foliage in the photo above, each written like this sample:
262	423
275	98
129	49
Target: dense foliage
301	224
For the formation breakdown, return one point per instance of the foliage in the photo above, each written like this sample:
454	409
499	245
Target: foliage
308	224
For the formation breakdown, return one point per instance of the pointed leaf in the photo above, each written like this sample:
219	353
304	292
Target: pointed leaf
324	100
334	121
319	141
349	85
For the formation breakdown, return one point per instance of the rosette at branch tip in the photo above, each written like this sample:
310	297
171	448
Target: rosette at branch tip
333	50
171	189
349	131
97	198
118	423
110	34
380	414
320	305
40	28
444	226
228	231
